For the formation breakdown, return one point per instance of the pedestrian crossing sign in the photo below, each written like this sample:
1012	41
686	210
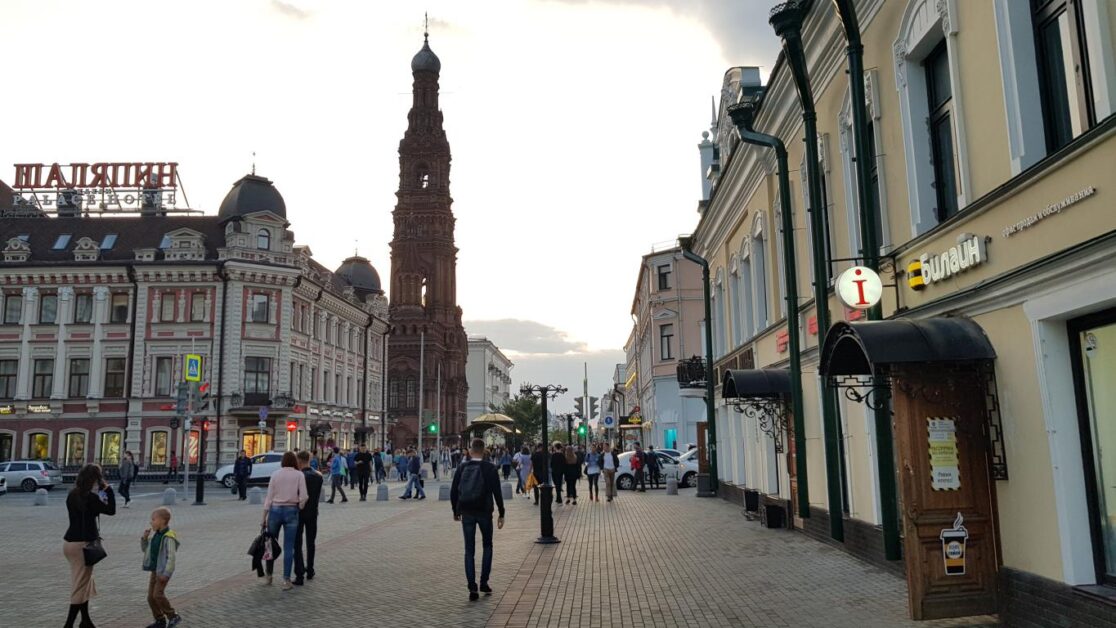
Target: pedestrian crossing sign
193	367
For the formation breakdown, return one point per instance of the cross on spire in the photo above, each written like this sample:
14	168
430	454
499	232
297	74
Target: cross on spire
425	27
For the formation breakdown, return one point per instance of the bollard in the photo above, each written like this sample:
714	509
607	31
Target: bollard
672	486
255	495
506	490
381	492
169	497
41	497
444	493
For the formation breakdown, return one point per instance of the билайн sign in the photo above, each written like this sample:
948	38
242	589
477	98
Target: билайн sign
969	251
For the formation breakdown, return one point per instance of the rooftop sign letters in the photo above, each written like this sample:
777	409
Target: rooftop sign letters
929	268
101	186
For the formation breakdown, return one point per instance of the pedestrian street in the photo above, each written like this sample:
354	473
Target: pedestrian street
647	559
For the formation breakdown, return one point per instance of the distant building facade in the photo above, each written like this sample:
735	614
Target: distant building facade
488	372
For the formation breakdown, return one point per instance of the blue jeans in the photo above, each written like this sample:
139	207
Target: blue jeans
469	525
286	516
414	481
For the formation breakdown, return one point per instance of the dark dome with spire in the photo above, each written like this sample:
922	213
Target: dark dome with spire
252	194
359	273
425	60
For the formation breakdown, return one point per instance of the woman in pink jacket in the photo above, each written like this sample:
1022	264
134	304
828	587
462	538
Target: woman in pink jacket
286	495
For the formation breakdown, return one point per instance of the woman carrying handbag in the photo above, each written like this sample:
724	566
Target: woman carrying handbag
90	497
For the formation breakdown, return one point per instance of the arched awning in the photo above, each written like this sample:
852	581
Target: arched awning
493	417
752	383
864	348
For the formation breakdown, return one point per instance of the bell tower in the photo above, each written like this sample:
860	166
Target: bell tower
427	334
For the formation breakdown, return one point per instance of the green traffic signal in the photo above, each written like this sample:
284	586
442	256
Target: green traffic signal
581	430
433	428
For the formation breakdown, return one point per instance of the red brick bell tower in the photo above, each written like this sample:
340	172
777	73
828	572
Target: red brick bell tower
425	318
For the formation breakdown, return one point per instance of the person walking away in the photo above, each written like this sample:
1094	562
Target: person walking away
350	466
307	521
159	553
573	472
400	467
172	470
609	463
128	472
540	466
337	476
637	462
378	465
242	470
557	471
651	462
593	472
505	464
363	463
475	487
90	498
314	464
286	496
522	462
433	455
414	480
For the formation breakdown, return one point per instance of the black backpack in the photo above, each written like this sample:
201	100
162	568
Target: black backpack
470	489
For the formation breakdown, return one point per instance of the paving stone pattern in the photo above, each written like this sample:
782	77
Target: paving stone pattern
648	559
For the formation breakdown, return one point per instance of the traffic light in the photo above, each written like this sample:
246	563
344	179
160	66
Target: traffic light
292	426
202	402
205	426
433	428
182	398
594	407
579	406
581	430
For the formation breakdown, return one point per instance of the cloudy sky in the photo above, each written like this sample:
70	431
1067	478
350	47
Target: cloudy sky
573	126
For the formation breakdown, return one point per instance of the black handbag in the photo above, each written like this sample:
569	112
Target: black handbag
93	551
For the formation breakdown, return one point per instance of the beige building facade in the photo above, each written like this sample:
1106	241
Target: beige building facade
993	143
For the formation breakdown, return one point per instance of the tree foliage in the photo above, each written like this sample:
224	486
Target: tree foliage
526	413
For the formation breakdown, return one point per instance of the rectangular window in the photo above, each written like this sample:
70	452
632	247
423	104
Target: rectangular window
119	311
83	308
412	398
940	92
664	277
166	307
110	447
393	394
327	383
39	449
8	374
164	374
43	379
1065	83
13	308
74	449
48	309
114	376
313	383
666	340
337	389
157	447
79	377
257	375
259	307
197	307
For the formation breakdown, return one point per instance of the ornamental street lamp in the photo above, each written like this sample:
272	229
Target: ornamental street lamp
546	517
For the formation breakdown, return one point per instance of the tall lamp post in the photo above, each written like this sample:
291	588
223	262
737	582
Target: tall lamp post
710	414
546	517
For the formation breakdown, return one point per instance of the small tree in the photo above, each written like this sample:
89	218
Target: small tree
526	413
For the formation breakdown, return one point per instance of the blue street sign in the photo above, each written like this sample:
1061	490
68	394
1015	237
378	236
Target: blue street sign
609	421
263	413
193	367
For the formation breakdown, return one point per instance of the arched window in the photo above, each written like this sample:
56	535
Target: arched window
759	270
263	240
736	301
748	322
412	396
719	315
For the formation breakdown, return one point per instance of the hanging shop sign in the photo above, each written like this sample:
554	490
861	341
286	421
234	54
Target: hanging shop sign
1050	210
945	472
954	541
7	409
970	250
859	288
38	408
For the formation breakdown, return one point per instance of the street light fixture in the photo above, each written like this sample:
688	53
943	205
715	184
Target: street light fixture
546	517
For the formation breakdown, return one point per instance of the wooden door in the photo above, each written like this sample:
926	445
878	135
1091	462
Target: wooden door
943	451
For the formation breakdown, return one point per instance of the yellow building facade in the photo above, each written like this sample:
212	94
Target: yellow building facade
993	149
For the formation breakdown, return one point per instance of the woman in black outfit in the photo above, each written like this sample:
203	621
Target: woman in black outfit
90	497
557	471
573	473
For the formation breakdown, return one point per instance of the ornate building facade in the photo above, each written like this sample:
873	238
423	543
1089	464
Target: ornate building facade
426	356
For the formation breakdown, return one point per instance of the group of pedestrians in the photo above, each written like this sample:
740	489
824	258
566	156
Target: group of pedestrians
565	465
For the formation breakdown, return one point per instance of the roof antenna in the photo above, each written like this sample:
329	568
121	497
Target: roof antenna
356	248
426	28
253	163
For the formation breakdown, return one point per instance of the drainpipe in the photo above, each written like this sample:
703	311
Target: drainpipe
223	274
131	270
787	20
364	380
710	414
885	461
743	116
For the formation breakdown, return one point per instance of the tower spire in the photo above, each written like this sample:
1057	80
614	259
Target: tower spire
425	27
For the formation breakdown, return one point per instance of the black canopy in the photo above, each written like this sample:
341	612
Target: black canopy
739	383
862	348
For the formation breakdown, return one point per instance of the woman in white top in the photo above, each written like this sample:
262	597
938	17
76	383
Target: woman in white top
608	465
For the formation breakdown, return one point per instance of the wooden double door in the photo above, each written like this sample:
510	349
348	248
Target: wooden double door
948	502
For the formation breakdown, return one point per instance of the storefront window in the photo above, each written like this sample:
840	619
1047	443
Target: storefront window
255	442
5	447
40	446
110	448
74	449
158	447
1097	370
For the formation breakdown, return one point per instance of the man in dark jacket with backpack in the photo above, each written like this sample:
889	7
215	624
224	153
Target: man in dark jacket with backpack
476	485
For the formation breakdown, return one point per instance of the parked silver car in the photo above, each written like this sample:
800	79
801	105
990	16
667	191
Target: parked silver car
3	485
31	474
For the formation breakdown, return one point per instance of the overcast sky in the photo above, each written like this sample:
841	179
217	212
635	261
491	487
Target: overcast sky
573	126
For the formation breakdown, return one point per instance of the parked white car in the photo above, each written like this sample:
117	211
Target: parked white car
625	478
3	485
263	465
689	463
30	475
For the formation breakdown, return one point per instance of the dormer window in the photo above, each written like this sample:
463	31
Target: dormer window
263	240
62	241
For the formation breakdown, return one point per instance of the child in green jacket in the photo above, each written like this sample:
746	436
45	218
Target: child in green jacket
158	557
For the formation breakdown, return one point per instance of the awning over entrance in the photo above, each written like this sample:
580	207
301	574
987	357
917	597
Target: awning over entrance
753	383
862	348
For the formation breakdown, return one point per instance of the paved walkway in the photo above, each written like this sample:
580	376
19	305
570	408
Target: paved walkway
644	560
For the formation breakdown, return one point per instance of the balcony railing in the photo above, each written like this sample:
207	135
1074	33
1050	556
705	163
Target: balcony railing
692	373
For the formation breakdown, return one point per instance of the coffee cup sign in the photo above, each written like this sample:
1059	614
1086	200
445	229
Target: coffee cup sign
954	541
859	288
